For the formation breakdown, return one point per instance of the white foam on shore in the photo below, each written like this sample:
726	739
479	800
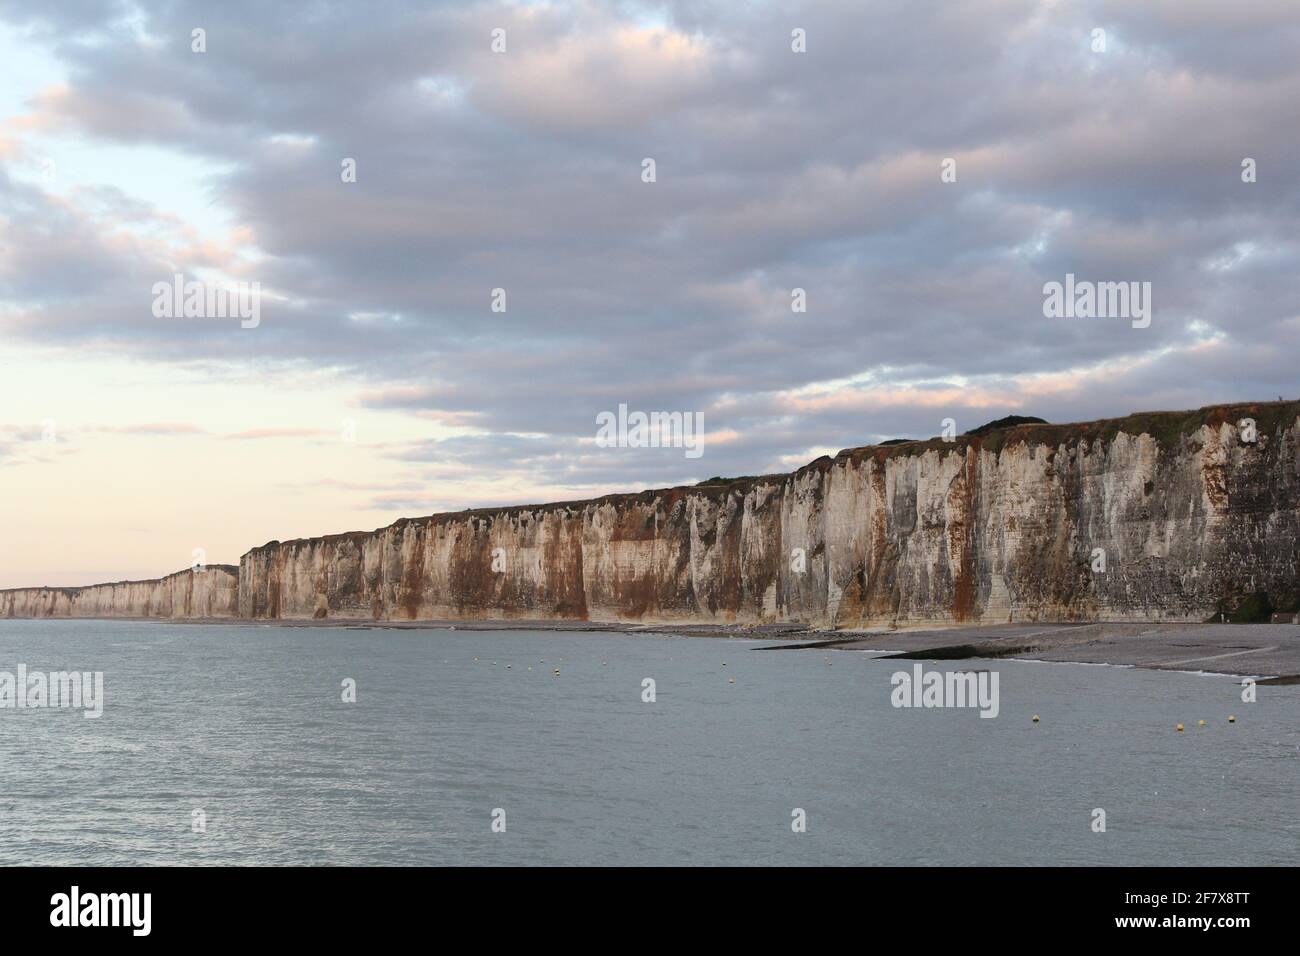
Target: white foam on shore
1164	670
1035	660
1038	660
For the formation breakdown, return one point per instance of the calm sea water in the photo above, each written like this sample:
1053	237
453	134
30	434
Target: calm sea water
247	723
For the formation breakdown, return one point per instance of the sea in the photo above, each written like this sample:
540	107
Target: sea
270	745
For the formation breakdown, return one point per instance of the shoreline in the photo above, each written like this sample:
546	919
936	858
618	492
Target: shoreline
1235	650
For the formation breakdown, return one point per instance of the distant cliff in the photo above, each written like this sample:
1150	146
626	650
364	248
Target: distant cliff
1168	516
212	592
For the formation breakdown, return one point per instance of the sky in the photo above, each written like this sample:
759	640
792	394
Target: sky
1103	139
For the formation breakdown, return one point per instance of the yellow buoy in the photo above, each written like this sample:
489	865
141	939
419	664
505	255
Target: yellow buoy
1035	718
1200	723
1180	728
1232	719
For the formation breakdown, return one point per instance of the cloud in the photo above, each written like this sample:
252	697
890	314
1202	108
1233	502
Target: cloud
152	429
257	434
775	170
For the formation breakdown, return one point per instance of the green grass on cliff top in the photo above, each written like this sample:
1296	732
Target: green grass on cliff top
1167	428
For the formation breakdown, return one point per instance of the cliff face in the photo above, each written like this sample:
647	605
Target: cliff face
213	592
1185	509
1159	517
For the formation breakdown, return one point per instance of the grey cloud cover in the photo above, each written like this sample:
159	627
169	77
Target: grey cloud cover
775	170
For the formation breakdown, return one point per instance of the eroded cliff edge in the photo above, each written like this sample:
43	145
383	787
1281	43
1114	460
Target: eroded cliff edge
981	529
210	593
1191	515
